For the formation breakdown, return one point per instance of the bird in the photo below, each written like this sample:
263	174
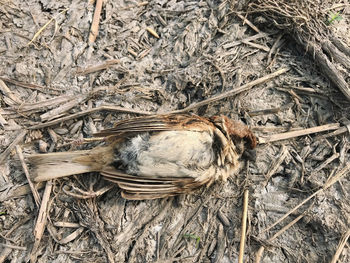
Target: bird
156	156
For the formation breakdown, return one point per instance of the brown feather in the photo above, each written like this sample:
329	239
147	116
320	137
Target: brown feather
139	160
157	123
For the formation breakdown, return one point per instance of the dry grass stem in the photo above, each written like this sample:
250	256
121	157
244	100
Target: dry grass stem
54	113
233	92
66	224
26	172
258	46
95	22
71	236
45	26
3	122
276	164
330	182
12	246
105	65
42	89
341	246
260	252
244	226
20	136
8	93
41	221
294	134
248	39
246	21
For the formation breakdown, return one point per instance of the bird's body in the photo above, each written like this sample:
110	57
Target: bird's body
156	156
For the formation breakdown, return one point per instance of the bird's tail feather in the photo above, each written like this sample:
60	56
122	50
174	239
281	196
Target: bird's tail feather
55	165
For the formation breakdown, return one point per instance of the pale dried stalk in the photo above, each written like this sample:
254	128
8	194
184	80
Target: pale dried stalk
260	252
233	92
345	171
41	221
8	150
244	226
341	246
26	172
95	22
293	134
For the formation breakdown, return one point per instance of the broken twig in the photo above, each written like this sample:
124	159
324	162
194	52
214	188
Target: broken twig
341	246
95	22
330	182
41	221
26	172
293	134
233	92
260	252
244	226
105	65
8	150
45	26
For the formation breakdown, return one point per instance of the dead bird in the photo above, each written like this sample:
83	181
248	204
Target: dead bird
156	156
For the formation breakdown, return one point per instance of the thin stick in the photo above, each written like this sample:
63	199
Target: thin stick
276	164
66	224
8	150
341	245
45	26
72	236
274	48
4	254
248	39
41	221
283	229
26	171
31	86
244	226
258	46
293	134
233	92
246	21
329	183
3	122
260	252
85	112
51	114
291	211
95	22
105	65
12	246
8	93
19	191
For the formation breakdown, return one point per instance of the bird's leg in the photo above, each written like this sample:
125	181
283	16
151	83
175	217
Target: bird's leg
81	194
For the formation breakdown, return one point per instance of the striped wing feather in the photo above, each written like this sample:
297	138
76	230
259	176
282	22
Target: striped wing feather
157	123
139	188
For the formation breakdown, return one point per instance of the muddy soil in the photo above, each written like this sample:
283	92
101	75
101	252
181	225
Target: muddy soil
157	57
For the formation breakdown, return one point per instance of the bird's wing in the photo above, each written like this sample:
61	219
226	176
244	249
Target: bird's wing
157	123
141	188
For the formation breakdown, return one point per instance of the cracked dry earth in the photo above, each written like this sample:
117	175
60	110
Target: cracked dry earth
203	49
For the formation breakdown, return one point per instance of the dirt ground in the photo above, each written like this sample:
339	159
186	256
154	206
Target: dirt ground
53	95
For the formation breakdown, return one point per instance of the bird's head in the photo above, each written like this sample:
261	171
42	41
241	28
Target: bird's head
242	137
